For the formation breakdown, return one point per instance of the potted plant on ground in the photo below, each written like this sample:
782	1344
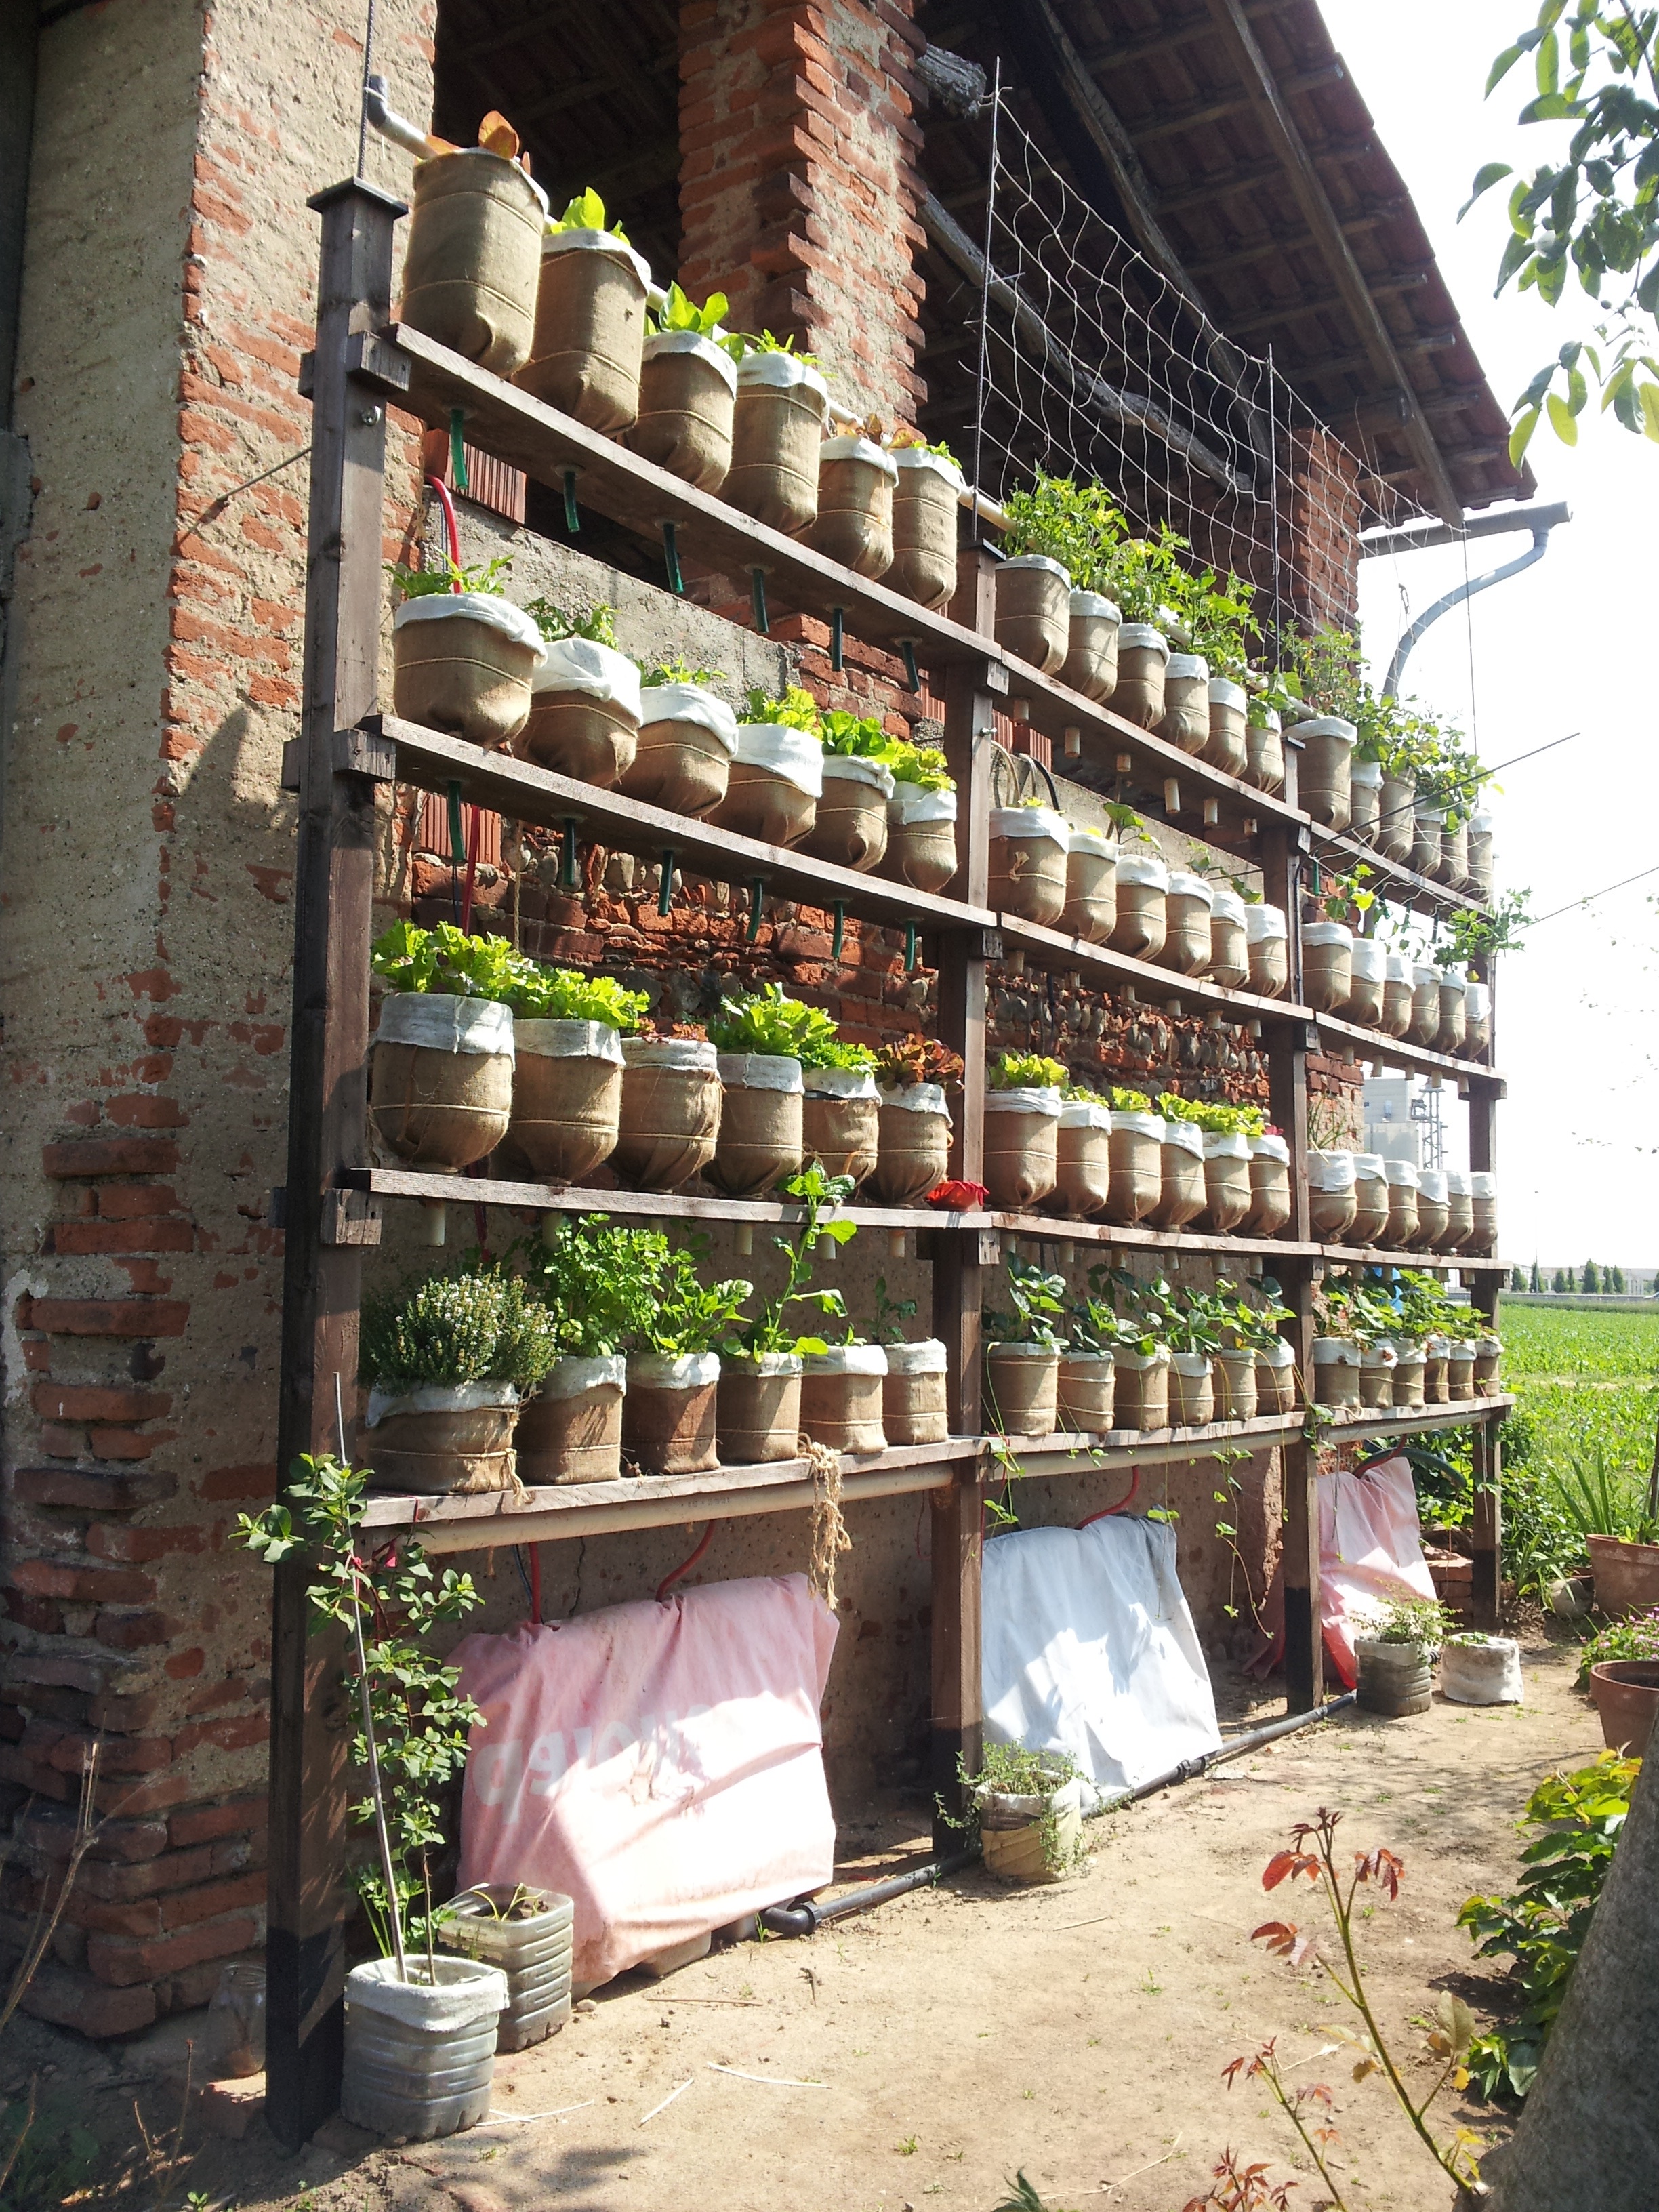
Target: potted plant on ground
1029	843
1477	1670
776	430
440	1061
688	737
856	481
850	824
913	1076
1137	1183
1027	1808
1022	1101
776	777
759	1409
475	250
924	505
670	1119
760	1142
1082	1152
589	340
528	1935
1021	1353
914	1405
595	1277
921	818
1616	1514
669	1413
687	390
463	656
568	1032
1619	1667
1396	1659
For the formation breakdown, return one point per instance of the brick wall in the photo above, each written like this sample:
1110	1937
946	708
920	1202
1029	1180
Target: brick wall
1319	534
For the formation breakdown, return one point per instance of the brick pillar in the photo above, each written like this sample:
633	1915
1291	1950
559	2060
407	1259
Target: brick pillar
798	184
1320	572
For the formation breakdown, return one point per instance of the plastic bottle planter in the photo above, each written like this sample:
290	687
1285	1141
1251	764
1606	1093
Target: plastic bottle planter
757	1409
1091	909
1086	1392
1322	778
1488	1357
1181	1195
1229	951
1143	656
1410	1375
913	1410
775	781
1435	1392
1227	745
235	2040
1365	799
1401	1230
1227	1195
1477	1019
761	1139
1367	969
1021	1389
1396	821
1377	1365
586	707
683	760
1483	1201
527	1935
1143	911
1481	1670
1428	833
1233	1373
590	328
776	431
1264	751
1479	877
850	825
1090	663
1186	719
435	1437
420	2056
463	661
1425	1005
1028	863
1326	965
1433	1209
1142	1386
1267	937
1189	905
1455	855
1034	610
1022	1130
1270	1187
1191	1390
1452	1028
1330	1196
1398	993
921	837
440	1077
1460	1212
1371	1199
1137	1167
1011	1838
566	1098
475	257
1275	1378
840	1120
913	1154
1082	1157
1460	1371
1395	1679
669	1414
572	1429
687	390
1336	1373
670	1118
841	1397
854	523
925	505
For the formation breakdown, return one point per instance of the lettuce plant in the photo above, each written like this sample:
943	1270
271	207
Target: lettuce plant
445	961
680	313
1027	1071
769	1022
448	575
796	710
585	211
598	625
564	994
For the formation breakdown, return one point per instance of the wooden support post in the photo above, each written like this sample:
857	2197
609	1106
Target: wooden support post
956	1731
334	877
1486	1528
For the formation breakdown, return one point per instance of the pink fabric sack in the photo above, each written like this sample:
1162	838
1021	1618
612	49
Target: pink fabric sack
662	1764
1370	1550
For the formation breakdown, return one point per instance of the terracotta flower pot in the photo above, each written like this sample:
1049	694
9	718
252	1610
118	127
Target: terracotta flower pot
1022	1388
682	756
1142	657
854	523
440	1077
850	825
1022	1130
688	391
1626	1694
921	837
1029	857
762	1124
463	662
1034	610
474	258
776	430
775	781
913	1154
757	1409
1090	664
589	343
841	1397
669	1413
840	1120
567	1098
914	1407
572	1430
1626	1575
670	1118
925	509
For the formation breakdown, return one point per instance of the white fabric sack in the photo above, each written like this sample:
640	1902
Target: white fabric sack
1139	1125
598	241
690	702
435	1397
1226	1144
1400	1174
544	1038
794	755
779	371
1185	1136
1031	821
1327	932
852	767
917	1098
1370	960
467	1993
685	1055
1223	692
1092	841
1183	666
926	1357
838	1082
910	803
1182	886
859	449
1096	604
569	1378
659	342
848	1359
1269	1147
760	1071
1330	1171
441	1022
1265	925
594	671
1037	561
1085	1114
766	1362
1327	725
669	1370
1225	905
1145	869
478	606
1370	1550
1144	637
1023	1101
918	457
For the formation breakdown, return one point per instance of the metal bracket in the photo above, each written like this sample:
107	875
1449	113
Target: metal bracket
349	1217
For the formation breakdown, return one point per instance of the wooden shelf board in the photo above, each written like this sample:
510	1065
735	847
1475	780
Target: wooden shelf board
1373	1256
1053	950
1372	1045
1059	1228
652	1205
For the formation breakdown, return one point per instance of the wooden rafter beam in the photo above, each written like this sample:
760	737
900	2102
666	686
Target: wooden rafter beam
1248	252
1204	191
1198	112
1119	52
1320	303
1344	364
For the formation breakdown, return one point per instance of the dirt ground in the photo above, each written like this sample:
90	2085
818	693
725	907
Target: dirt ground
928	2050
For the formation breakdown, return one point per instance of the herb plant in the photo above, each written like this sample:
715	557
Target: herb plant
594	1279
814	1192
922	765
1010	1770
680	313
1146	577
448	575
1037	1303
445	961
468	1327
892	1314
585	211
857	736
598	625
739	342
1422	1622
770	1023
686	1315
913	1060
1027	1071
1480	936
1220	623
1076	525
680	671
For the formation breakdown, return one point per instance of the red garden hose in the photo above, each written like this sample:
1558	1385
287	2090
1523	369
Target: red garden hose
685	1565
1123	1503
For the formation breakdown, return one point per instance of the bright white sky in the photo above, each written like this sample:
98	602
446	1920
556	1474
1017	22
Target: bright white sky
1566	646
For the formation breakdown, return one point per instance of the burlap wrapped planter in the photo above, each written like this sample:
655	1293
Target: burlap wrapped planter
1142	657
1091	909
1365	799
1477	1019
757	1408
761	1119
688	391
925	508
1435	1349
1227	745
914	1405
1086	1393
567	1098
669	1414
1396	820
1082	1157
1401	1232
1454	853
572	1430
429	1439
1191	1390
1371	1199
589	343
1264	751
1454	1014
463	662
841	1397
776	430
1266	936
775	783
474	257
1028	862
1410	1376
913	1154
1425	1004
670	1117
1275	1378
1326	965
1227	1195
1230	947
1479	877
1460	1212
1398	993
850	825
1367	970
1235	1393
1336	1372
1459	1370
1090	663
1181	1195
1189	905
1330	1196
1142	1388
854	524
1143	910
1021	1389
1186	720
440	1077
1322	774
1022	1131
1270	1187
921	837
1483	1198
840	1120
586	707
1394	1680
1034	610
1137	1166
683	757
1428	834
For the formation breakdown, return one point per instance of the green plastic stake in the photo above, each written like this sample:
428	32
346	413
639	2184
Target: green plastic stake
569	877
912	677
671	554
757	899
758	599
837	638
840	911
666	887
457	839
573	521
458	451
909	948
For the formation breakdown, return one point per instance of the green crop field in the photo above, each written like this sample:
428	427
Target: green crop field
1565	1342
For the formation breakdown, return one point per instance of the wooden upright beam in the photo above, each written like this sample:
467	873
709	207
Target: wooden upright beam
1486	1527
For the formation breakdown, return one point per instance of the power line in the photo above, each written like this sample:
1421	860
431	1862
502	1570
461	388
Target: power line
1590	898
